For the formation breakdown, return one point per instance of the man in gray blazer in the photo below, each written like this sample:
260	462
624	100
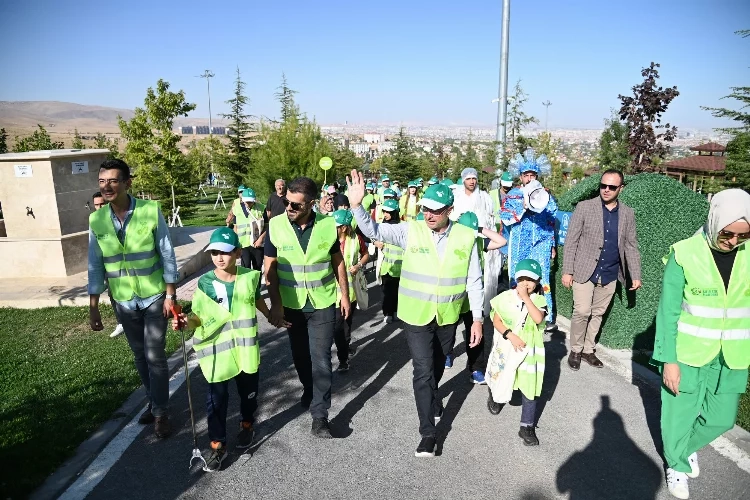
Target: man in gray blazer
601	248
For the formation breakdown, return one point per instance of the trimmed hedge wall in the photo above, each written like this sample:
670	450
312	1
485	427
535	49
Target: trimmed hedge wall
665	212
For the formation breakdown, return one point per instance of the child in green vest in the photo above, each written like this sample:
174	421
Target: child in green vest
225	340
517	357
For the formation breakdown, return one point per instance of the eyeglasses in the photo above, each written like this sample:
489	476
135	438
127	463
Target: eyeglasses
609	186
728	235
109	182
439	211
295	206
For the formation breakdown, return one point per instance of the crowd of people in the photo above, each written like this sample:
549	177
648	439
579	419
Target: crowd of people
444	254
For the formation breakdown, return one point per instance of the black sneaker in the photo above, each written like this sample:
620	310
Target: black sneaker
320	428
426	447
343	366
218	453
439	414
494	408
352	351
146	417
306	399
246	435
528	434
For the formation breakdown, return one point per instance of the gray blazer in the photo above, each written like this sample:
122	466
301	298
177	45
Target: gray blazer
585	237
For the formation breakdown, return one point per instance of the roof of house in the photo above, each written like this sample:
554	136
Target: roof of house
698	163
709	147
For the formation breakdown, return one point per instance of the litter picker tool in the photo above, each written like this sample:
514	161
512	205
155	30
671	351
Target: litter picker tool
197	455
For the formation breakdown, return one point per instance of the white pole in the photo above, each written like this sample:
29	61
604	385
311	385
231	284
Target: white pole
502	104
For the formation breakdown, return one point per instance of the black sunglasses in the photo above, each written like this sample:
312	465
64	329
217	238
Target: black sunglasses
295	206
609	186
728	235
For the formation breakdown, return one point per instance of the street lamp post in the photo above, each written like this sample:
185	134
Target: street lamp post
546	105
207	74
502	101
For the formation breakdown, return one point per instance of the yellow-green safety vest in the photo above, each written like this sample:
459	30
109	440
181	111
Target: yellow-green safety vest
408	210
309	274
226	343
392	260
430	287
367	201
249	227
496	206
351	257
713	319
133	268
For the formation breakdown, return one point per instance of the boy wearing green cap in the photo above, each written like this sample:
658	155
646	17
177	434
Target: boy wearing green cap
517	357
224	317
355	254
250	222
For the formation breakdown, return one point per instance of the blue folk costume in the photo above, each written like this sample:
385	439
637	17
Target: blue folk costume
532	235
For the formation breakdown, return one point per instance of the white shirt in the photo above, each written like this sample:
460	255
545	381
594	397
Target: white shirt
478	202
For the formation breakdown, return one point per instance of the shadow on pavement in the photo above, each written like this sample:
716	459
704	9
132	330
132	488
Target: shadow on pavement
612	466
555	351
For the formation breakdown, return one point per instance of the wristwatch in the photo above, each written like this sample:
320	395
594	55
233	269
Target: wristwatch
506	332
172	297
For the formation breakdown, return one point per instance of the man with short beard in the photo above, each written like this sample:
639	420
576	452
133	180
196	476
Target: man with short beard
303	261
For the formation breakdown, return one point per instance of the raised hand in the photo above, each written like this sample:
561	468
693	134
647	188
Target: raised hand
356	185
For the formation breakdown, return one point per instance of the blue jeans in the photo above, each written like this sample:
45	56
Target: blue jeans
146	331
217	403
311	339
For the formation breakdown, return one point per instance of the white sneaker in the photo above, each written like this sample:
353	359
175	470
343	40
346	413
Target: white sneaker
677	482
388	319
694	469
118	331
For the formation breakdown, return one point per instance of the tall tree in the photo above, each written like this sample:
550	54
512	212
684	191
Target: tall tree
285	96
517	120
642	113
737	173
742	94
614	146
101	141
153	148
551	147
206	153
77	141
3	141
240	128
405	166
40	140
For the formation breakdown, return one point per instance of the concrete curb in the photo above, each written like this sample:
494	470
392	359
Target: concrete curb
67	473
620	361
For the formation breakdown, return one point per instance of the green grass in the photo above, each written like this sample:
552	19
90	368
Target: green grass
205	215
60	381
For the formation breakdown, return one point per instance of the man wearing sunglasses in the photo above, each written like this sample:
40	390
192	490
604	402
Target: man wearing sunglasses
304	263
439	269
601	248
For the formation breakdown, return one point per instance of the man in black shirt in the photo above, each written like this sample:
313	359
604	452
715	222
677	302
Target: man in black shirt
275	205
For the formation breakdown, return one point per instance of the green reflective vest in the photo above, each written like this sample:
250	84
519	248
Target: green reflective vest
367	201
309	274
408	208
251	227
430	287
226	343
133	268
351	257
496	206
713	319
392	260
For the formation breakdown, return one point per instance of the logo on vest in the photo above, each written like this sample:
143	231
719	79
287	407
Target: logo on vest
461	254
322	246
705	292
423	250
142	227
102	236
287	248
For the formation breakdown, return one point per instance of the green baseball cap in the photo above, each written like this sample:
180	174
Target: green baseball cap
436	197
370	186
248	194
223	240
385	178
506	179
447	182
240	188
529	268
389	192
342	217
390	205
412	184
433	180
470	220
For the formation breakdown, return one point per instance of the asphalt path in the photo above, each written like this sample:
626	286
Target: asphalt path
598	433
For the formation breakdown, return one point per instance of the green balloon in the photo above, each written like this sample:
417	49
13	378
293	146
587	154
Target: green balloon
325	163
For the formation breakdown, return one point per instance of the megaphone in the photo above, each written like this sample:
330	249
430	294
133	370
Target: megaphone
535	197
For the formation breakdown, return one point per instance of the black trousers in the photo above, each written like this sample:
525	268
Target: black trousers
428	344
342	335
217	402
252	258
311	339
476	356
389	287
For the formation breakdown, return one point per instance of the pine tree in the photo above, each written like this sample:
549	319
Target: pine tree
613	146
742	94
3	141
285	96
240	128
737	172
77	141
405	166
101	141
517	120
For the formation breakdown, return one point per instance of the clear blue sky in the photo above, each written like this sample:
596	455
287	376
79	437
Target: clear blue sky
412	61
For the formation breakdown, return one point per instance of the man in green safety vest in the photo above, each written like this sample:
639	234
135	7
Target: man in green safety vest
303	262
235	205
250	222
439	269
129	245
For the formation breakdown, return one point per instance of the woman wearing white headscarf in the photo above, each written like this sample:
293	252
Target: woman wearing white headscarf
703	335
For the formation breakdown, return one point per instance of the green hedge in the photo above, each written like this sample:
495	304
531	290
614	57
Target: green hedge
665	212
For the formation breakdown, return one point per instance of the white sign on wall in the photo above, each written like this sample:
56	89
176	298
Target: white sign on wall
23	170
80	167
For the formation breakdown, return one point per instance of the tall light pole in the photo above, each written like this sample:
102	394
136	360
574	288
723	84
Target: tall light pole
208	75
546	104
502	104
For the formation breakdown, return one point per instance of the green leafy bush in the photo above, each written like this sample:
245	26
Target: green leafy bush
665	213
